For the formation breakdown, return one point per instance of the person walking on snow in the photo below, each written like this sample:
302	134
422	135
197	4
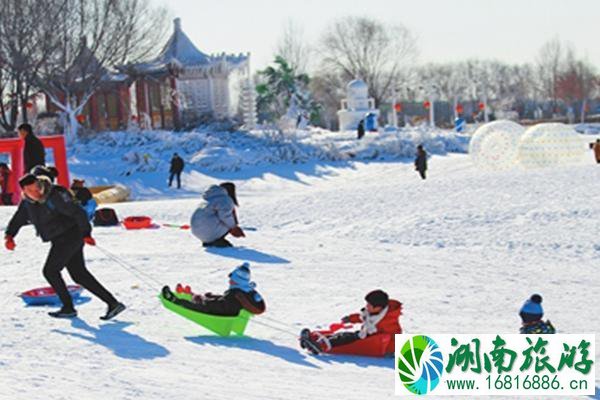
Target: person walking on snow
241	294
596	148
33	152
421	161
216	216
361	129
60	221
177	165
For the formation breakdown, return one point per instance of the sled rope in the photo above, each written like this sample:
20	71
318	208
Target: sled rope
294	334
144	276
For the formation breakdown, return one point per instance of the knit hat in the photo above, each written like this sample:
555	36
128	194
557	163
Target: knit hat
241	275
377	298
27	180
533	306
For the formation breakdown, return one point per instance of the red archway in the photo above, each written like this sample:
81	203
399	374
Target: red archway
15	148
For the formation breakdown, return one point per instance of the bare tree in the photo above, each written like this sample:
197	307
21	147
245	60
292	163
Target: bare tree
579	82
293	48
25	46
549	64
92	37
360	47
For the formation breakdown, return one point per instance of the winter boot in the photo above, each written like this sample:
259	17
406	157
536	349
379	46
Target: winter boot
222	242
113	311
63	313
307	343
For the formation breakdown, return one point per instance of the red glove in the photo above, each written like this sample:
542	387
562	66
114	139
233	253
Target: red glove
9	243
237	232
90	241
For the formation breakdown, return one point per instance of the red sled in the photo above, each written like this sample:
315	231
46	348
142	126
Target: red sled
378	345
138	223
47	296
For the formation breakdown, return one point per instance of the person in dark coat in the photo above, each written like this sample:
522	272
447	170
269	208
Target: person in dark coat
421	161
361	129
241	294
60	221
177	165
5	196
33	152
596	148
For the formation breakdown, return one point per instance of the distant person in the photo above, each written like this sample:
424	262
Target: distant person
216	217
33	152
531	317
361	129
84	197
177	165
421	161
596	148
5	196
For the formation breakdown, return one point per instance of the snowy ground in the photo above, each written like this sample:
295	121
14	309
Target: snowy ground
461	250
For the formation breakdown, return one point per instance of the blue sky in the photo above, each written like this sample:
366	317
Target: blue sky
447	30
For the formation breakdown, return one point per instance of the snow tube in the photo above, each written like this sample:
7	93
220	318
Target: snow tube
47	295
373	346
222	326
138	223
111	194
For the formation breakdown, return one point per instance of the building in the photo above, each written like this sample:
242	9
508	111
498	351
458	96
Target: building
180	87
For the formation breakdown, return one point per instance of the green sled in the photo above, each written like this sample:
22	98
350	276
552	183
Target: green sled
222	326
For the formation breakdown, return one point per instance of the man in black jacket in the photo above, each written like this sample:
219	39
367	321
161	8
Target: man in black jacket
177	165
33	151
59	220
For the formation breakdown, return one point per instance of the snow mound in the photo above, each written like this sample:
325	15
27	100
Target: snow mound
550	144
494	145
149	151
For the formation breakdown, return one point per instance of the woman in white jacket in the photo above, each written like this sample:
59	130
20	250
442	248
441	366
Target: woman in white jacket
215	217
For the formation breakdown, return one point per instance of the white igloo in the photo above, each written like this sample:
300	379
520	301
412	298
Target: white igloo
549	144
495	144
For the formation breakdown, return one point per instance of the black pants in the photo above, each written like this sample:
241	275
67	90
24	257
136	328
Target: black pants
222	306
422	173
67	251
342	338
173	175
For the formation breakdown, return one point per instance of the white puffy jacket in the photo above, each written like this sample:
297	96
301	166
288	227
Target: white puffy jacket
215	215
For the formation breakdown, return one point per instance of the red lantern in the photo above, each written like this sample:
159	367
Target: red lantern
398	107
426	105
481	106
80	118
459	109
134	118
29	105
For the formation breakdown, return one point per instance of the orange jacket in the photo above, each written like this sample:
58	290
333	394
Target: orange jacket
390	323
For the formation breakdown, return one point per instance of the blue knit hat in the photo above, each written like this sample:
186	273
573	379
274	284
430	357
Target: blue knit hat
240	277
533	306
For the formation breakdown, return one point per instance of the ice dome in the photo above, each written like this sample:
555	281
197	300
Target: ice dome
550	144
494	145
357	89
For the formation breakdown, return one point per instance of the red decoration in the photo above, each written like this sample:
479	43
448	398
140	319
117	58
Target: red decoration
29	105
426	105
481	106
134	118
80	118
459	109
398	107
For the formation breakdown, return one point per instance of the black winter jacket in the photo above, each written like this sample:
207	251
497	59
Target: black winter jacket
228	304
53	217
33	152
